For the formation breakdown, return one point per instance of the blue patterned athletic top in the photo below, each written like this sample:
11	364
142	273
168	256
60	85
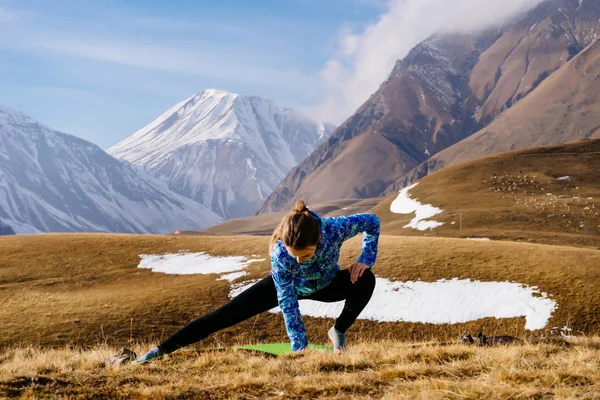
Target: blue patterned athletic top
292	278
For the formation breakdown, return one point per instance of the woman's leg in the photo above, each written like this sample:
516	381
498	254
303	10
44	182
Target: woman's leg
357	295
260	297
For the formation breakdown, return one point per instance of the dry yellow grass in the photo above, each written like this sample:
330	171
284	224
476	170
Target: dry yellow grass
67	302
383	369
85	289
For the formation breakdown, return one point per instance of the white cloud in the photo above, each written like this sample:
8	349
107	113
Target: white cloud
158	57
364	59
181	49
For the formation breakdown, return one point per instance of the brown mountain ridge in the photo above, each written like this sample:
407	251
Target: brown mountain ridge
445	90
565	107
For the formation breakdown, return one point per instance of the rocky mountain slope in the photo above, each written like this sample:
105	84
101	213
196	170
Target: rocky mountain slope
565	107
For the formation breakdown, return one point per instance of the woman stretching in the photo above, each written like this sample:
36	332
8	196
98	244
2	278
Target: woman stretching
305	249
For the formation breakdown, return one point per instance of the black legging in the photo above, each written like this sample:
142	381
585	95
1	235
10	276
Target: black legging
262	296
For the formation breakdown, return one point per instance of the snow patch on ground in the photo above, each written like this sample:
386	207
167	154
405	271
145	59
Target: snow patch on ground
403	204
186	263
442	302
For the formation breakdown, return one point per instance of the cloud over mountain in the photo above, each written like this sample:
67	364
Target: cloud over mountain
364	59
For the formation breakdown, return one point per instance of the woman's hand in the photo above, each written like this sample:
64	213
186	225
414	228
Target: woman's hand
356	271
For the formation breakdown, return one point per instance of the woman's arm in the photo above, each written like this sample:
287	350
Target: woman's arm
288	302
348	227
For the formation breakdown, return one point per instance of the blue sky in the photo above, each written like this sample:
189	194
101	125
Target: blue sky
102	69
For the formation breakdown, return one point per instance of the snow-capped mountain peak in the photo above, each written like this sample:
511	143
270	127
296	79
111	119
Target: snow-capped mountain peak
54	182
224	150
9	116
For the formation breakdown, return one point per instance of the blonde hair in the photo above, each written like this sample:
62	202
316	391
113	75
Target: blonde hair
298	230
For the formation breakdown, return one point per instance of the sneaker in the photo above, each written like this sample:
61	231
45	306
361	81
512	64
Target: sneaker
338	339
152	354
125	356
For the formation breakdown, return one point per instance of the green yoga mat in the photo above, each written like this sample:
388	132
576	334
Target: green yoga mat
280	348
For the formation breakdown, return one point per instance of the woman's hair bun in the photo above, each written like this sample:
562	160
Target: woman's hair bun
300	206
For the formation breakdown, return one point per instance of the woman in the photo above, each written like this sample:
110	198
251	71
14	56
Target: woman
305	249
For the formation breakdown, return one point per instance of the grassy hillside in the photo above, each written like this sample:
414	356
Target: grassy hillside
85	289
514	196
386	369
